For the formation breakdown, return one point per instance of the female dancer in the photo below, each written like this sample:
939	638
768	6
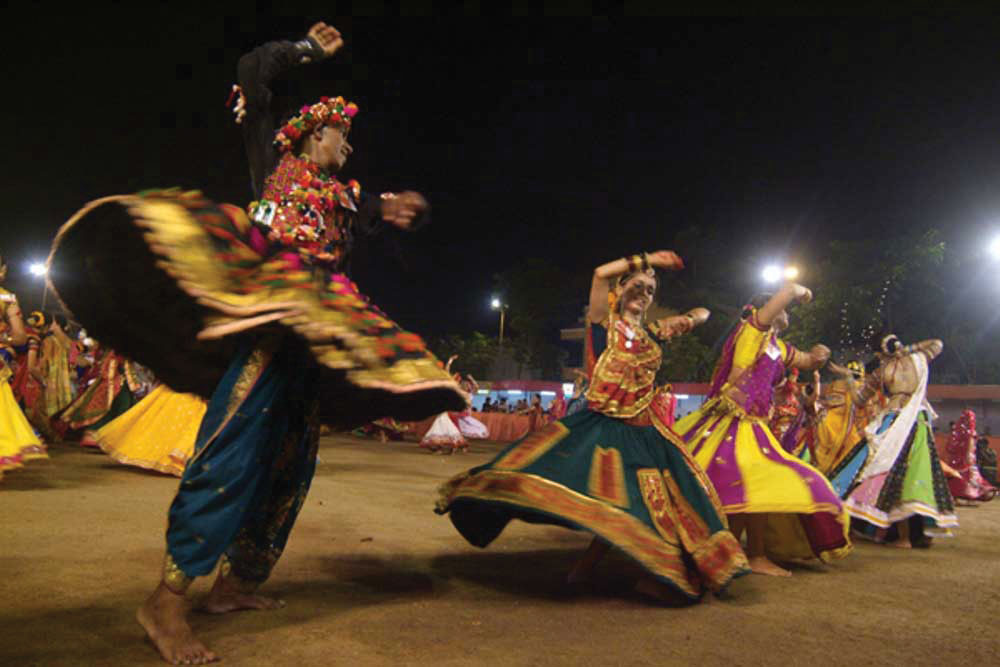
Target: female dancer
444	437
258	315
111	394
961	456
787	507
157	433
470	427
840	448
18	442
902	486
614	469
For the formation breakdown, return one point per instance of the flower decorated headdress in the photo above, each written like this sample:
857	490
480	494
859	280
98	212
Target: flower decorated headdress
856	368
332	112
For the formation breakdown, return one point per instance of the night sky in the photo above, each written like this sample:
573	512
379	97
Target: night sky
574	140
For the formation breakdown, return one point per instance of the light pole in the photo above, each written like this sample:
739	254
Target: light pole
39	270
496	304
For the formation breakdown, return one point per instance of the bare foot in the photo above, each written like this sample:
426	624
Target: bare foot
902	544
225	598
162	617
763	565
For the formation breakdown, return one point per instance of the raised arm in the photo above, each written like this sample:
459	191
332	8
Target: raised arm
929	348
597	311
676	325
784	297
813	360
255	73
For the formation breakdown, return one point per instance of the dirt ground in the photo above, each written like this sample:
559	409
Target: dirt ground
373	577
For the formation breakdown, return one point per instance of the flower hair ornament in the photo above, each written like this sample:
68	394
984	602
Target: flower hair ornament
887	345
332	112
857	370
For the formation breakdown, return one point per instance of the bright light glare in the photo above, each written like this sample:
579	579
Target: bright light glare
682	397
495	303
514	392
483	391
771	273
791	272
37	269
547	393
568	388
995	248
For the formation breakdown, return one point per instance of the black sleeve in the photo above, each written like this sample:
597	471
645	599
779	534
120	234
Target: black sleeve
255	72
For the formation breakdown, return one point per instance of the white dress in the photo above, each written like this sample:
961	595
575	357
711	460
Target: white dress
443	434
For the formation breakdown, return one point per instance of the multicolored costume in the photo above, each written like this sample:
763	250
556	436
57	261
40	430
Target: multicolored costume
615	470
110	395
840	448
18	442
729	437
902	477
157	433
256	314
788	416
961	455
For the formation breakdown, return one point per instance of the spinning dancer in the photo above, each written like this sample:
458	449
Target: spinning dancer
961	457
840	448
902	485
444	437
787	507
257	315
615	469
157	433
18	442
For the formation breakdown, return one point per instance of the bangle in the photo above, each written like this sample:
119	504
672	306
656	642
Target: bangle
634	263
645	261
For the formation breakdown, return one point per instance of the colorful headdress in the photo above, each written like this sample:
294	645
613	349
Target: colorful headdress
332	112
856	368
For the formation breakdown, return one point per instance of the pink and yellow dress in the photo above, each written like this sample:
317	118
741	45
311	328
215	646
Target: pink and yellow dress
157	433
18	442
730	438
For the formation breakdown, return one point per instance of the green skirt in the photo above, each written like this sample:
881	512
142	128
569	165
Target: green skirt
634	486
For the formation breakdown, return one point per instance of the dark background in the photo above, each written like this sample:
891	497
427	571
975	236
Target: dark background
575	140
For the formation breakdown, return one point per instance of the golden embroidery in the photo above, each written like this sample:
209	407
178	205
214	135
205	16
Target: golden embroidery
655	497
719	560
174	577
622	381
532	447
607	477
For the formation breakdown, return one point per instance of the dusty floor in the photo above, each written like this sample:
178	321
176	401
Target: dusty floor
373	577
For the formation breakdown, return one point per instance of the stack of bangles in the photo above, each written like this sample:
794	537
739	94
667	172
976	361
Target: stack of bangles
638	263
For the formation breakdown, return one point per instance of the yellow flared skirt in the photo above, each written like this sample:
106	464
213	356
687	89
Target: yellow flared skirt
157	433
753	474
18	442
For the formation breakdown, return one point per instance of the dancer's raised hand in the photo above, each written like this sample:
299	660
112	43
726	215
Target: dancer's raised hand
802	294
402	209
820	354
328	38
666	259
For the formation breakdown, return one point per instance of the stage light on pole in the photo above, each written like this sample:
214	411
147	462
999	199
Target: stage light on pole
37	269
496	304
771	273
